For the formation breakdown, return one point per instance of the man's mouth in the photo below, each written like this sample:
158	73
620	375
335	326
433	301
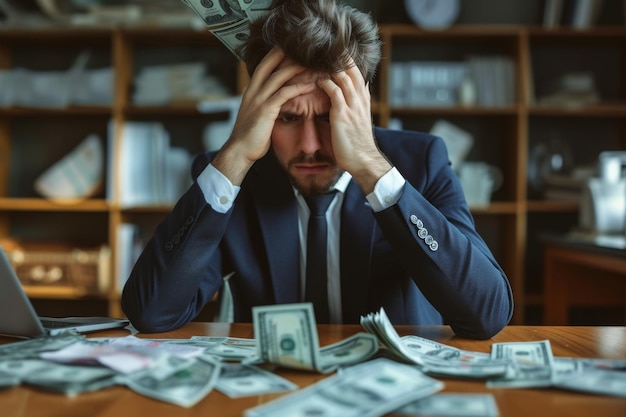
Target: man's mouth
311	168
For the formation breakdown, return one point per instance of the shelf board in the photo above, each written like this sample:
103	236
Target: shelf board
608	110
496	207
511	110
474	31
40	204
16	36
549	206
158	209
70	111
177	109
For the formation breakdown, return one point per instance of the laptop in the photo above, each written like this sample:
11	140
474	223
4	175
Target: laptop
19	319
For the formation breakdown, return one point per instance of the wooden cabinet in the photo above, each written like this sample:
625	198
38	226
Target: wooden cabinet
33	138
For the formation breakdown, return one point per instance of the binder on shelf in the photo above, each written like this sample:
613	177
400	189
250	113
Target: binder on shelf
584	13
129	246
150	171
494	77
553	10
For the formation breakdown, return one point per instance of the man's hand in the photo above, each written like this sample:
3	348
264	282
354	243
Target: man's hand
260	106
350	116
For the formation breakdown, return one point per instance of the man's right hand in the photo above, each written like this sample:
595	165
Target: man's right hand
260	106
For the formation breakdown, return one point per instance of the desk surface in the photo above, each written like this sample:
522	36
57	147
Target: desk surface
588	342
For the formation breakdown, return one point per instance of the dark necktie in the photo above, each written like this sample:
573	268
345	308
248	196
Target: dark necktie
316	274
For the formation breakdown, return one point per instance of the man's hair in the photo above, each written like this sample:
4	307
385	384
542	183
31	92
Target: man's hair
320	35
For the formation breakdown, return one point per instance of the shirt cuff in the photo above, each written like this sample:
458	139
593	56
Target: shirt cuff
387	190
218	191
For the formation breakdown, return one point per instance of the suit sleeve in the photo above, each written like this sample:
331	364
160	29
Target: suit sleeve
433	231
179	270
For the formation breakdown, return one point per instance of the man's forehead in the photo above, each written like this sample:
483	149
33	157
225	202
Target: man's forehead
306	76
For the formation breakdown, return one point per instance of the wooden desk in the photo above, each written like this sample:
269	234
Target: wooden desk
578	275
590	342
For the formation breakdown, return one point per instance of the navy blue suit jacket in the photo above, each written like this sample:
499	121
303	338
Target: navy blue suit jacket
384	262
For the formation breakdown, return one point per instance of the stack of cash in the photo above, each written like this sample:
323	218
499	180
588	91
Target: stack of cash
434	358
229	24
510	365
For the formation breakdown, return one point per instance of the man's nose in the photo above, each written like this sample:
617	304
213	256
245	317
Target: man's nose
309	138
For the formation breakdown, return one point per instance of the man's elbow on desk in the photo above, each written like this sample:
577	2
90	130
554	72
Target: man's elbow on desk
488	324
150	320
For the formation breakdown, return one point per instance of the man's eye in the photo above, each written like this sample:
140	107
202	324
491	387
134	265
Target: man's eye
289	118
323	118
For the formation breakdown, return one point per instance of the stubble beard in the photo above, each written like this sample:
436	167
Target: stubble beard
314	184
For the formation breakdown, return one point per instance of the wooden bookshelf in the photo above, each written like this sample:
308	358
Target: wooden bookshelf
504	134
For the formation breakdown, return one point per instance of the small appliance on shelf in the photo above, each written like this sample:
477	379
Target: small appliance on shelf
603	200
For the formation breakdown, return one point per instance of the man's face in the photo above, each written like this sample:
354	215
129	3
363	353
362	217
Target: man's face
301	140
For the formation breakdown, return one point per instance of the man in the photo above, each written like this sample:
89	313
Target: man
400	234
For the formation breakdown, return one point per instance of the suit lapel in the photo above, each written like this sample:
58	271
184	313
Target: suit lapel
357	228
277	212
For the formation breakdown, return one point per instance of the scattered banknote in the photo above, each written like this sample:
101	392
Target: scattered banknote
229	348
185	387
432	357
354	349
122	358
287	336
534	364
72	380
565	368
32	348
368	389
66	379
596	381
240	380
176	349
214	13
8	380
229	24
449	404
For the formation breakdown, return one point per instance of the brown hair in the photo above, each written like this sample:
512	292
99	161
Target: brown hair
317	34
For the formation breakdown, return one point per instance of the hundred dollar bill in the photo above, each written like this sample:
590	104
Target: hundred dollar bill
432	357
286	335
565	367
448	405
596	381
7	380
533	364
218	12
369	389
71	379
355	349
228	20
239	380
66	379
32	348
229	348
233	36
186	387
